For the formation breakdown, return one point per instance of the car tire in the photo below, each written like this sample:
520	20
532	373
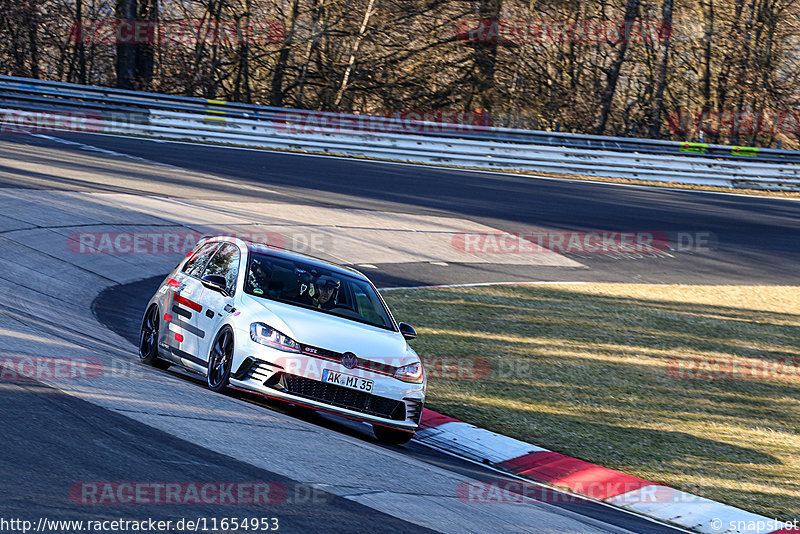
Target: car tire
391	436
220	360
148	340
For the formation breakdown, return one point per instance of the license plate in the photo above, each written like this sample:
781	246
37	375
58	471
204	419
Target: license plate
348	381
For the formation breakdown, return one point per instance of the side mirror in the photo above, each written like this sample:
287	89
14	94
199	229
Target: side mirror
407	330
216	282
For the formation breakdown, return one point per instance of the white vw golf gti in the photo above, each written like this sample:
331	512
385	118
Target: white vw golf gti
290	327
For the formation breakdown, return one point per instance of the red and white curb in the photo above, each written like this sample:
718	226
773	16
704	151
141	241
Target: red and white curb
593	481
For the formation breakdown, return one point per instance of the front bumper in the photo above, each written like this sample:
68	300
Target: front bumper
270	380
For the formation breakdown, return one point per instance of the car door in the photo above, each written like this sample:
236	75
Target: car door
216	306
184	335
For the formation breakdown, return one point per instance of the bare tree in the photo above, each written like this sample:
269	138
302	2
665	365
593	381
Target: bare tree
661	76
613	72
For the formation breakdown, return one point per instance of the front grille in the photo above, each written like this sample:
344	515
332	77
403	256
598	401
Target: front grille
331	355
343	397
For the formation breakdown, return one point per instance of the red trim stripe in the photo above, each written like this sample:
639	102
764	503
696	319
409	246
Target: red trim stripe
296	403
172	282
581	477
320	356
188	303
431	419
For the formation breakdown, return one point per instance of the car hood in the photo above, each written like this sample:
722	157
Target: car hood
321	330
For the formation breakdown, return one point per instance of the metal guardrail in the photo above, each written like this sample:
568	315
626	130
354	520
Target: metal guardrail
125	112
104	96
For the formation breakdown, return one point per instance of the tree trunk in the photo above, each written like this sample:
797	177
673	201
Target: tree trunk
661	77
33	38
607	97
145	52
81	47
743	67
483	95
727	61
241	87
126	10
276	89
706	82
353	53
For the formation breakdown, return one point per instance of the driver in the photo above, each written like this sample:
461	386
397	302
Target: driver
327	288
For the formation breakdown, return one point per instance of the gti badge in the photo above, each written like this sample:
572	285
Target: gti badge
349	360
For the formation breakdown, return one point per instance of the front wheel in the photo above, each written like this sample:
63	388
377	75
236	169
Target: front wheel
391	436
148	340
220	361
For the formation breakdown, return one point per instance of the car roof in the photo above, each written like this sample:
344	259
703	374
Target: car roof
281	253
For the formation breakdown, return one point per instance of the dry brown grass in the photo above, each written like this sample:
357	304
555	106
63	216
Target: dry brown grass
629	376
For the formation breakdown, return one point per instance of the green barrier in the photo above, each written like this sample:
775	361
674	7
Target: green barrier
694	148
750	151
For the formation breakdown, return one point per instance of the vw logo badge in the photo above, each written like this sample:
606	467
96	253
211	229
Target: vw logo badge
349	360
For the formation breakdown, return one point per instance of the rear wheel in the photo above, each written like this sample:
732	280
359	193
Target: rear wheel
391	436
148	340
220	361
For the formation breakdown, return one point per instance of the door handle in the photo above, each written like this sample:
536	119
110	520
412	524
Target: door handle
210	314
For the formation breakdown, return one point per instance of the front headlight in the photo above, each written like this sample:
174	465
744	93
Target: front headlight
410	373
266	335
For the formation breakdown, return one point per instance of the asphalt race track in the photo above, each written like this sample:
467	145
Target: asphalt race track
756	239
129	423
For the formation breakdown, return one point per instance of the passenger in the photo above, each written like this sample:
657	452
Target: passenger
258	277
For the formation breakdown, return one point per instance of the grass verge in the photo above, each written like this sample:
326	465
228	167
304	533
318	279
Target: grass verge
696	387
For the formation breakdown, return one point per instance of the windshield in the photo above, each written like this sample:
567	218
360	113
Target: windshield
312	287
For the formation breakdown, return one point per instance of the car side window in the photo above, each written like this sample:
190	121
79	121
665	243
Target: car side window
198	261
225	263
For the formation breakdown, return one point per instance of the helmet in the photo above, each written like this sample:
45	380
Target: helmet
327	282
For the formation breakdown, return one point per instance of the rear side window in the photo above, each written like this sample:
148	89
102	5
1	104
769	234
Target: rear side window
225	263
198	261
